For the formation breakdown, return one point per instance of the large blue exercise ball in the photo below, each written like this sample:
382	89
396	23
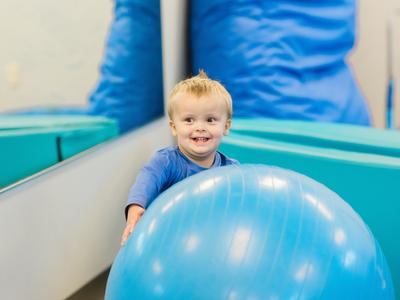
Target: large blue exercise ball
250	232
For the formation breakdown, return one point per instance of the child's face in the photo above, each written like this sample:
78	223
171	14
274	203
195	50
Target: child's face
199	124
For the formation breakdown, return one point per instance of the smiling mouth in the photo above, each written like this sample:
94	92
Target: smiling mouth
201	139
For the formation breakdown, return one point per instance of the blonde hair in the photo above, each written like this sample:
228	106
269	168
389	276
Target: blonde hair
200	85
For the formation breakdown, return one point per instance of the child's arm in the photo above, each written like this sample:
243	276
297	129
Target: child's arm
148	185
135	212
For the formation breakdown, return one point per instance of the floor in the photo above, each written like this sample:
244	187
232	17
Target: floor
94	290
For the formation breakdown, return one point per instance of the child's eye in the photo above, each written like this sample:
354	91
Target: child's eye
211	120
188	120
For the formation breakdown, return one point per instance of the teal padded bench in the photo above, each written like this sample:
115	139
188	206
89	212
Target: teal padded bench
324	135
29	144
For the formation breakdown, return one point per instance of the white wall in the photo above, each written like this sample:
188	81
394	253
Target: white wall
396	59
50	50
174	29
370	56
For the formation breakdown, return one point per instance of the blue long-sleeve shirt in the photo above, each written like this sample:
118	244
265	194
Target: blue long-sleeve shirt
167	167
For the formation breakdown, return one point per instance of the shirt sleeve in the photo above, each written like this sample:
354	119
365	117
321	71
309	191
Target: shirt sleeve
149	182
234	161
226	161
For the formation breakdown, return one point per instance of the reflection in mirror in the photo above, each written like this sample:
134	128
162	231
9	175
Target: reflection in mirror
54	102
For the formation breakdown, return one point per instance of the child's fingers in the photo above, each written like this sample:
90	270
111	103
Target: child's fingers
123	238
128	230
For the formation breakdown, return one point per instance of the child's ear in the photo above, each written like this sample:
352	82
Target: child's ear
173	127
228	125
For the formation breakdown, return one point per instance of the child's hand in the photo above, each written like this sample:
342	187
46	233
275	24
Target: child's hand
135	212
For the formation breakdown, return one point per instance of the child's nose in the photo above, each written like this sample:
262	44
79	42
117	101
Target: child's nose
200	126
